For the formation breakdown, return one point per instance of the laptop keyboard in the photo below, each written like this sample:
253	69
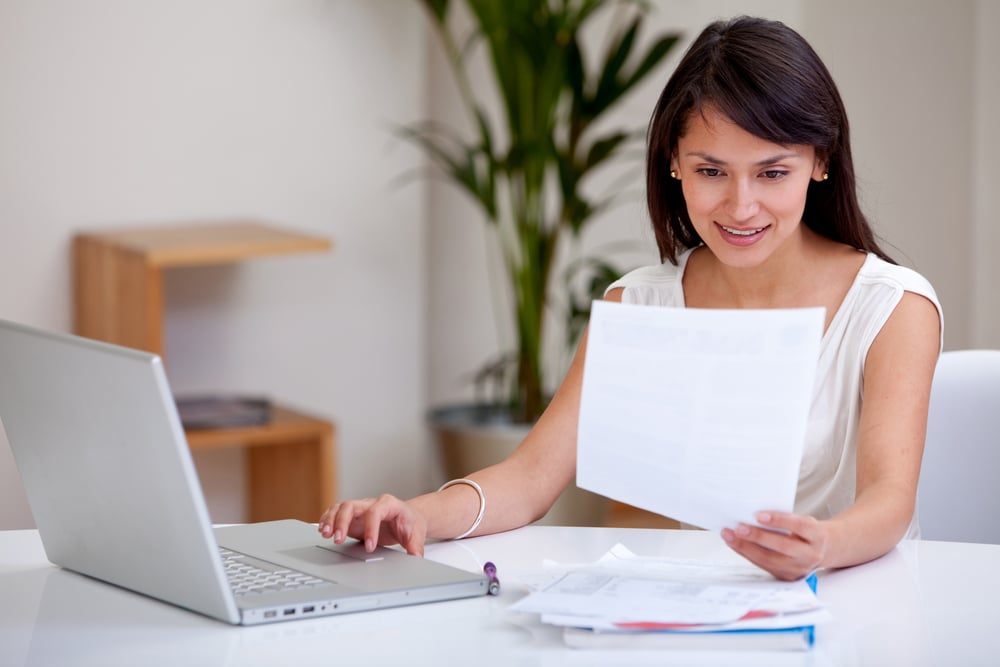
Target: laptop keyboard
249	576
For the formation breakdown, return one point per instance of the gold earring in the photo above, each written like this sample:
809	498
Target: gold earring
673	175
826	175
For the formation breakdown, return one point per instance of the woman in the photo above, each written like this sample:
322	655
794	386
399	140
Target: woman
750	187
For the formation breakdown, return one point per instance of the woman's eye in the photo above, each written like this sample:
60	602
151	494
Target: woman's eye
774	174
710	172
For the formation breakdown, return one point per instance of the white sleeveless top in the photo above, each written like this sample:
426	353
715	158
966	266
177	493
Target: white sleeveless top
827	474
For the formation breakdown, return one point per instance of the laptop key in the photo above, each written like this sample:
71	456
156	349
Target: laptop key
248	576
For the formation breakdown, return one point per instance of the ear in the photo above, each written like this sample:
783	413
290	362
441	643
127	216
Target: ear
821	170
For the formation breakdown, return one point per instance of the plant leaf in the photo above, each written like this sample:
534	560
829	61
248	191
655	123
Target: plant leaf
604	148
608	86
462	162
656	53
438	8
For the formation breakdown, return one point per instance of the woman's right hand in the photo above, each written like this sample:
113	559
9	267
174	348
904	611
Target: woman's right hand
382	521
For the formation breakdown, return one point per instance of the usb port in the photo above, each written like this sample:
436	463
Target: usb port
270	614
308	610
289	612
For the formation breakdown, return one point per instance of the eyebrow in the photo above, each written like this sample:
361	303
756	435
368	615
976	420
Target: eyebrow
761	163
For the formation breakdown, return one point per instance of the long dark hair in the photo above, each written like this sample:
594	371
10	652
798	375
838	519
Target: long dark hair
763	76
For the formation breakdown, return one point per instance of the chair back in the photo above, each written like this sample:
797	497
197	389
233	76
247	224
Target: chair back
959	492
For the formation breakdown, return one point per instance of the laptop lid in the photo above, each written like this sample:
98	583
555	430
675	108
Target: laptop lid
111	484
106	469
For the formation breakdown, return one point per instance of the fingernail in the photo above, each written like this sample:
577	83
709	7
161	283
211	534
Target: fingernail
742	530
338	536
727	535
764	517
369	545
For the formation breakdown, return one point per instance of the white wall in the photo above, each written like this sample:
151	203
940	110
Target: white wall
907	72
986	202
132	113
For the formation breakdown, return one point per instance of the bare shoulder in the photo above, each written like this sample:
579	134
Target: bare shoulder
615	294
915	316
910	337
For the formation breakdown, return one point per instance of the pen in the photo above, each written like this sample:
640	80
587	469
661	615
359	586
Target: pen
491	571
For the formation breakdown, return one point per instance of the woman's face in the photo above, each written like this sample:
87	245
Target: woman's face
745	195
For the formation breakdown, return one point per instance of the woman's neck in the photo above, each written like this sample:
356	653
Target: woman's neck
791	277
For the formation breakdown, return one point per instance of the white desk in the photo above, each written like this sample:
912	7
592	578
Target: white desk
926	603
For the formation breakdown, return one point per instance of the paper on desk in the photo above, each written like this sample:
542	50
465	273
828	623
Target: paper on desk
620	559
622	599
622	588
697	414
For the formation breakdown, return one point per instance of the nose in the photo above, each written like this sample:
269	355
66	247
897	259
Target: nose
742	201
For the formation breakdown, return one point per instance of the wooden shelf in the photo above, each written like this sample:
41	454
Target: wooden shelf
119	298
286	461
621	515
118	286
210	243
284	424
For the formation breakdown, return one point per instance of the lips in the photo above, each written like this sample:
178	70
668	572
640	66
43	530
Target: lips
742	232
741	236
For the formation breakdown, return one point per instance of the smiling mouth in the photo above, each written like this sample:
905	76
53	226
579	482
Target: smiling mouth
742	232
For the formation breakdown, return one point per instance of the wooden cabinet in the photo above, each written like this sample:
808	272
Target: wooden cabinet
119	298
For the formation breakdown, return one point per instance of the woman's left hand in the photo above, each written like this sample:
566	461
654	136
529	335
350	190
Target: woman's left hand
797	550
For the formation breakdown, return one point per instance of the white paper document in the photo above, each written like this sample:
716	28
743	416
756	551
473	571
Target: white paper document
601	596
697	414
622	590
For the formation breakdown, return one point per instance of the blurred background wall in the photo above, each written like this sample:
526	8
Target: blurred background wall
120	113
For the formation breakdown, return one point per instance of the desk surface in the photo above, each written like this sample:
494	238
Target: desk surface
925	603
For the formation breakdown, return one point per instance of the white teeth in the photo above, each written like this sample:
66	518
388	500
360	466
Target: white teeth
742	232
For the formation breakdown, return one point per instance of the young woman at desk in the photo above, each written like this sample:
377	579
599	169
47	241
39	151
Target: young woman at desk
751	191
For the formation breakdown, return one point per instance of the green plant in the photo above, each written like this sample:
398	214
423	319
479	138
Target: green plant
528	178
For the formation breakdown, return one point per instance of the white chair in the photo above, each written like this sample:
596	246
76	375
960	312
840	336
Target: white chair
959	493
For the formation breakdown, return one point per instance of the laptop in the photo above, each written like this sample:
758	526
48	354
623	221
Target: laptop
115	496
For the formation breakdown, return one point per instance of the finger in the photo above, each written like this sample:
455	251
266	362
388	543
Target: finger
410	535
791	546
787	557
766	537
345	516
779	565
796	524
325	524
374	517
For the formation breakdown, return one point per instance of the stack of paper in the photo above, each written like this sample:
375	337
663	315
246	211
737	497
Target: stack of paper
625	601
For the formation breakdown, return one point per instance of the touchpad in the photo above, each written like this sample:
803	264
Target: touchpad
317	555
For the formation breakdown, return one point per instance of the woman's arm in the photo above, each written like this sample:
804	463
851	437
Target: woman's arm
518	490
897	384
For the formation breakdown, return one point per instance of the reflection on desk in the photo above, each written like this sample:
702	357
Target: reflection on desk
925	603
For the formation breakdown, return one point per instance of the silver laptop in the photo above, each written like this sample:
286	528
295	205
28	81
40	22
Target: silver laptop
115	496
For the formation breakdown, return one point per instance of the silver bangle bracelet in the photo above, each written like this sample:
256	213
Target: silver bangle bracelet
482	503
